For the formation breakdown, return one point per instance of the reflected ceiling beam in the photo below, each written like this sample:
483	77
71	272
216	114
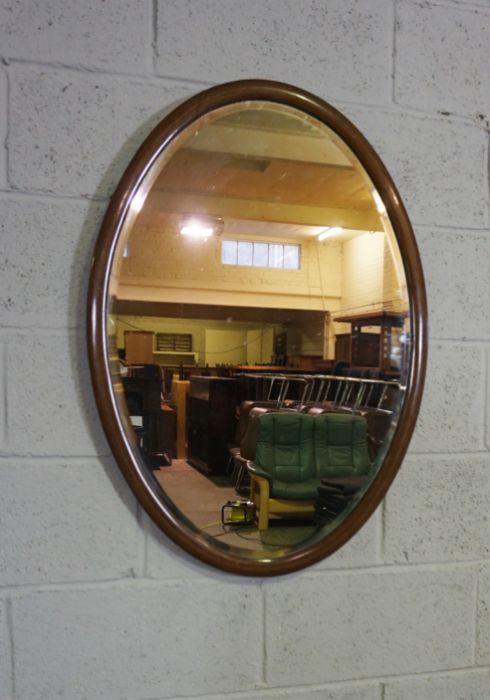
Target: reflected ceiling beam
149	291
216	313
159	203
311	147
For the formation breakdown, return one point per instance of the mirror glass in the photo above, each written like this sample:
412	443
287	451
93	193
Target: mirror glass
258	329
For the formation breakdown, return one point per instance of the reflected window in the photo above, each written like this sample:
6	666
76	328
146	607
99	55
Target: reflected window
245	253
254	254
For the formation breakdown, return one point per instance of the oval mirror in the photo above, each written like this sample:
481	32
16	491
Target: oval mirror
257	327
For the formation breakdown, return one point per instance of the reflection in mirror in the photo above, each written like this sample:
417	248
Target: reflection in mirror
259	328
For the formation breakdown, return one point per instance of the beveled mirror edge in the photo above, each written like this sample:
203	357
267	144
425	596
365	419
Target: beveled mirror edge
165	132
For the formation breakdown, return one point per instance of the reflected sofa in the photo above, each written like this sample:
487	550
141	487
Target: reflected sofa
295	451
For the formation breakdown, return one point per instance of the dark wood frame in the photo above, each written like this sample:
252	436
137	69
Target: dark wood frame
153	500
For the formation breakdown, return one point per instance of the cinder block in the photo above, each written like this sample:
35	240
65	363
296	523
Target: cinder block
51	409
438	165
361	550
470	685
75	133
451	417
339	48
100	35
77	522
166	560
47	249
436	510
482	656
368	624
442	58
5	655
138	641
458	284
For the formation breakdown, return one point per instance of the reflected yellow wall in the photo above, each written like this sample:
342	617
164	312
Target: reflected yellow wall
165	266
213	342
356	276
369	280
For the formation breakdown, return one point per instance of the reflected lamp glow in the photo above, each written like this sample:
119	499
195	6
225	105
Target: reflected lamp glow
380	205
329	232
199	228
138	201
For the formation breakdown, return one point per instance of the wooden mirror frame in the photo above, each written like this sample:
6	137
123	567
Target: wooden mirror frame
159	507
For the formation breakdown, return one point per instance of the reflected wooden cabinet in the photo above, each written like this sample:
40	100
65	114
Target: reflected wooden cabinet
211	406
139	347
366	349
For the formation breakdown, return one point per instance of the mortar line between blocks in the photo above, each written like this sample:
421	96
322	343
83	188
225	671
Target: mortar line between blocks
46	194
382	532
4	390
7	126
476	590
149	79
393	51
4	120
154	38
264	634
456	5
142	543
287	692
10	632
21	589
485	398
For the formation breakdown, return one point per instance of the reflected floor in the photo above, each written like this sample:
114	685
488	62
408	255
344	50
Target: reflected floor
201	498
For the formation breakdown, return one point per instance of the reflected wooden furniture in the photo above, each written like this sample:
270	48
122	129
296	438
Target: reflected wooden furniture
157	429
211	422
180	388
368	349
139	347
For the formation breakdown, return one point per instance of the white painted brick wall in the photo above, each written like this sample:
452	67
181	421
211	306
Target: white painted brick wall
470	685
135	640
97	35
355	619
429	73
439	165
75	518
73	133
36	280
340	48
94	601
459	285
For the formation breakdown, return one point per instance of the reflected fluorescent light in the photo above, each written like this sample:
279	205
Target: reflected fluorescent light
380	205
200	228
138	201
329	232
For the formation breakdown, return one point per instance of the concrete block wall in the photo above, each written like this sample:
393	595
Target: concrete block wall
95	603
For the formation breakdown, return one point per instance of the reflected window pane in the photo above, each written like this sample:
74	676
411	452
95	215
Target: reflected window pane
275	255
229	252
245	253
291	257
261	254
256	254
